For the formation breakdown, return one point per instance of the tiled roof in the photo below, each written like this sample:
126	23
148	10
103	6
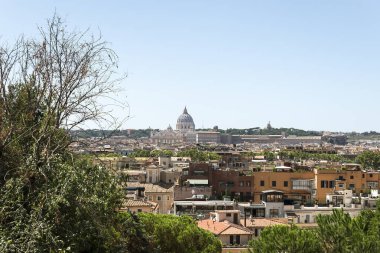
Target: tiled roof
138	203
135	203
223	227
150	187
263	222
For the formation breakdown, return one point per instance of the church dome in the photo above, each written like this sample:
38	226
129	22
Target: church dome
185	122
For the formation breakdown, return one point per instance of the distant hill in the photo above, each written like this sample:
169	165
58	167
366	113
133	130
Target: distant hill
130	133
145	133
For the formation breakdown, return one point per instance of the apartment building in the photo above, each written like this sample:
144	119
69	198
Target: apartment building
296	186
314	186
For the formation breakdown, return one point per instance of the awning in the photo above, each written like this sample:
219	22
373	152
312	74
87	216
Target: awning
198	181
291	214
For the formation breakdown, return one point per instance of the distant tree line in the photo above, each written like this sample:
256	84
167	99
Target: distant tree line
193	153
94	133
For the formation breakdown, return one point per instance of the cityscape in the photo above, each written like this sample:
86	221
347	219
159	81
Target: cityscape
244	182
189	126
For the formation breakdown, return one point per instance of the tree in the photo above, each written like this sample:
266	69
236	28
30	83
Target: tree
50	200
197	155
369	160
281	238
339	232
171	234
51	83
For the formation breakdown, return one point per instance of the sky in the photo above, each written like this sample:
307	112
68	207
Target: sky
312	65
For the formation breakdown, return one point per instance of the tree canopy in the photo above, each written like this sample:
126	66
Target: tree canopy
337	232
171	234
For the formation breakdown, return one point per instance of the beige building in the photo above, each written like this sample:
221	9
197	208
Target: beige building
158	194
207	137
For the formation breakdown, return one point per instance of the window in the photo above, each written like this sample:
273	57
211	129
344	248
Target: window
274	198
262	183
373	185
341	178
351	186
158	197
301	184
370	175
273	213
331	184
286	183
241	183
351	177
248	183
248	196
139	210
324	183
274	183
363	175
168	198
260	213
228	214
340	185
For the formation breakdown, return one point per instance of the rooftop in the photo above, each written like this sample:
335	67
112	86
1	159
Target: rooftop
223	228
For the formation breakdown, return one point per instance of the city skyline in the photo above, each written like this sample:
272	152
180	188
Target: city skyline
306	65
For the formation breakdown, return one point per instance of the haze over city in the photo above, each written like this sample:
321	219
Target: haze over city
308	65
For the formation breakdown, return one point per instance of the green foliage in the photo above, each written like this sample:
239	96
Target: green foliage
165	153
153	153
270	156
94	133
369	160
337	232
282	238
198	156
58	206
341	233
131	234
299	155
194	154
171	234
271	131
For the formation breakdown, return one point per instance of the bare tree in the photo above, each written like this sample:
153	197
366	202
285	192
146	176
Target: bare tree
64	75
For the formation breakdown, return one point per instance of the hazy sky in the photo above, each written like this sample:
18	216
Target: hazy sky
236	64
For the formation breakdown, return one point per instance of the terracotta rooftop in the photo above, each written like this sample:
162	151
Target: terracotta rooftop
138	203
132	202
223	227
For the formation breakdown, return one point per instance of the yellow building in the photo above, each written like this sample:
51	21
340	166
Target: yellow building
313	186
294	185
